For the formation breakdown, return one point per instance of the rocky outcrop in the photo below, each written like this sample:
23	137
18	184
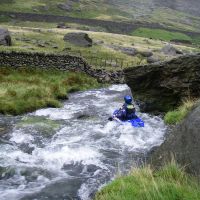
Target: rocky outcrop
5	38
126	50
170	50
153	59
79	39
183	143
162	86
146	54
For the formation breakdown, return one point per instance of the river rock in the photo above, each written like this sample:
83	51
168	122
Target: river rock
5	38
164	85
170	50
183	143
79	39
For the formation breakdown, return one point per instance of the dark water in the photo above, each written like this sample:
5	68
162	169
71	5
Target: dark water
70	152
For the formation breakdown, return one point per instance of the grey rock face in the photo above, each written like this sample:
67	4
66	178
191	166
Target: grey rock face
183	143
79	39
126	50
164	85
5	38
170	50
153	59
146	53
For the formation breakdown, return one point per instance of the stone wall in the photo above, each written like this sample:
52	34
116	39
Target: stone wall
60	62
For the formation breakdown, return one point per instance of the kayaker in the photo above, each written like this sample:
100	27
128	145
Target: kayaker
127	111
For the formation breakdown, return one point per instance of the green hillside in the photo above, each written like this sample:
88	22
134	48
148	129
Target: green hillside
182	15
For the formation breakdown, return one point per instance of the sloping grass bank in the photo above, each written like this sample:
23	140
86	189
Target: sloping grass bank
160	34
25	90
177	115
168	183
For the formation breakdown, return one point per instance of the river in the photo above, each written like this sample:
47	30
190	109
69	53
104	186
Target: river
70	152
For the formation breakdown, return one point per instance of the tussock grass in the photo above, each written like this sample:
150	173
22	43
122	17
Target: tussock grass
25	90
176	116
168	183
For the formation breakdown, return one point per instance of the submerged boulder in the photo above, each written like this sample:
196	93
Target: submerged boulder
182	144
79	39
162	86
5	38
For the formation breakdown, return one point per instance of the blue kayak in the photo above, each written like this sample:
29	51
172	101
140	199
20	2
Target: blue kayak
136	122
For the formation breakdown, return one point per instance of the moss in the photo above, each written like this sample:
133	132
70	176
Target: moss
170	182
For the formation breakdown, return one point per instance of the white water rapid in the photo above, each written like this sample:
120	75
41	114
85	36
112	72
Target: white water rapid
68	153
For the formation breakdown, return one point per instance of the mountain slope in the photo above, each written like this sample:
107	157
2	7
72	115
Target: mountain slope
179	14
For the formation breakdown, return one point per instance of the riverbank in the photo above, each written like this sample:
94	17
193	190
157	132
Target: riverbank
170	182
25	90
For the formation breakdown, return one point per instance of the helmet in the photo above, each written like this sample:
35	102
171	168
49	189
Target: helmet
128	99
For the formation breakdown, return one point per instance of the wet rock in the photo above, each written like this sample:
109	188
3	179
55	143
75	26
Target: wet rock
164	85
79	39
5	38
73	169
83	117
6	172
184	143
2	129
170	50
63	189
26	148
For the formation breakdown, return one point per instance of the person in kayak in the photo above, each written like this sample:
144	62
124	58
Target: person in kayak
127	111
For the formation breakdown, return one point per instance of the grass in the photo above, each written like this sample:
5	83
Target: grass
100	55
160	34
119	10
176	116
83	9
168	183
25	90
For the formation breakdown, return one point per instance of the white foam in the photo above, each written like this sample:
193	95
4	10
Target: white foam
119	88
79	141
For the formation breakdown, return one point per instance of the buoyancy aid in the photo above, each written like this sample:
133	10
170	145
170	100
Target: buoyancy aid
130	111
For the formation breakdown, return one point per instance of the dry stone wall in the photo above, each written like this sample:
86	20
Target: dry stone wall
60	62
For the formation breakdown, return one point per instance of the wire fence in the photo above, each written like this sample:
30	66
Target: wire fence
106	62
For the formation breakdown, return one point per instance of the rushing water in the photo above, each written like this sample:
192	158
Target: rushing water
70	152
